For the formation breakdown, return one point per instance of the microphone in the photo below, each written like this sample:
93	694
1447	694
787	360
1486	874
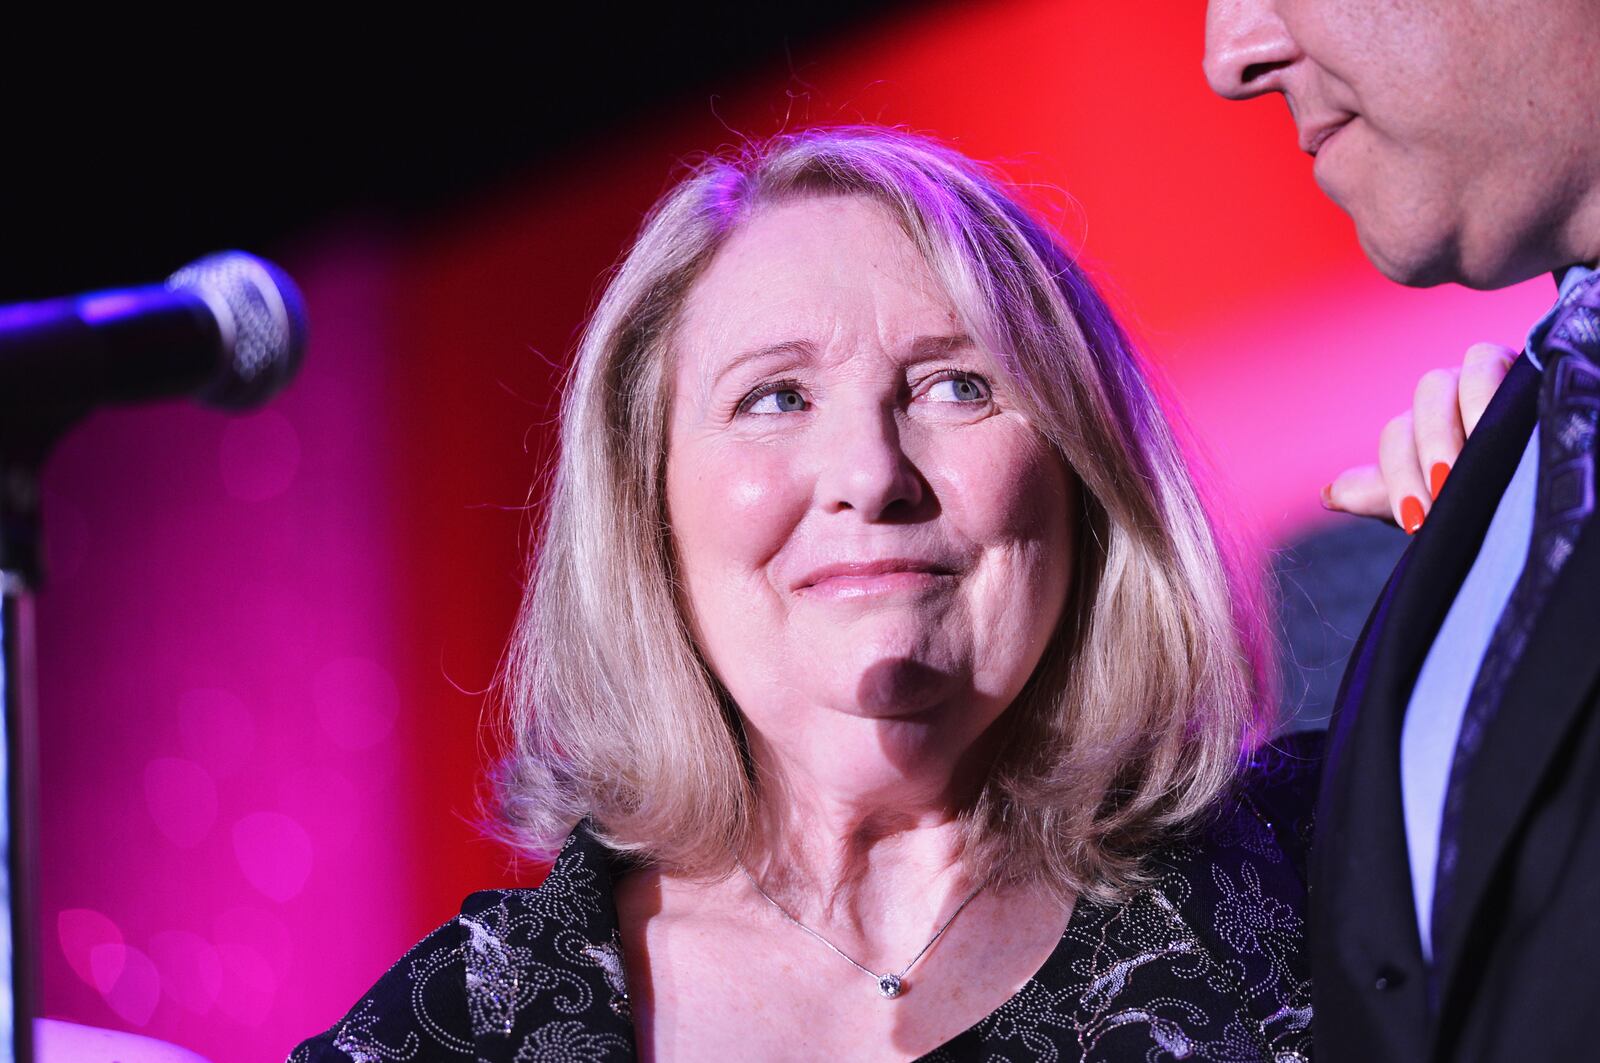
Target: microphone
228	329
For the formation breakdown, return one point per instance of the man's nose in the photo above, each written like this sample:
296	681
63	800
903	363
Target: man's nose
1247	45
865	467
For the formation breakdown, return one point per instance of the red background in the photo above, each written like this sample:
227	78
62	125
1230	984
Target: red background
265	638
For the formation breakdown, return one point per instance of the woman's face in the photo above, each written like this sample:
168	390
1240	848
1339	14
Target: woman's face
873	540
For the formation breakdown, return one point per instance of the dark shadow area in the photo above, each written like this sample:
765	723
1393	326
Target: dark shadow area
1326	583
133	150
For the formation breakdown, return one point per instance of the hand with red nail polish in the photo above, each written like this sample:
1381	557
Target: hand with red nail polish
1418	448
1411	515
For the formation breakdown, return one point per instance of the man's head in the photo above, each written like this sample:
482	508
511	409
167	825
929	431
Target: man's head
1462	136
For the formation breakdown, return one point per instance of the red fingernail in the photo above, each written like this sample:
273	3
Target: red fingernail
1327	496
1411	514
1436	477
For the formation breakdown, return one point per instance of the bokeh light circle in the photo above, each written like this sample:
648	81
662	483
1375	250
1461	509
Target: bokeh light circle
274	852
182	799
357	702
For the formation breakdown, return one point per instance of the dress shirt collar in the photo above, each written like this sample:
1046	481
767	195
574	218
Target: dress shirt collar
1566	280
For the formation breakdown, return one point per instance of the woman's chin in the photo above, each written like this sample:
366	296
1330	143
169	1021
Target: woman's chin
898	687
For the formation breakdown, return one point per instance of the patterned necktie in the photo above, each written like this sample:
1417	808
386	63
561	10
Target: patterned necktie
1569	409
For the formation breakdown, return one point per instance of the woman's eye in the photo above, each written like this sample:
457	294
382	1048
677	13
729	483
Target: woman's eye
960	387
774	400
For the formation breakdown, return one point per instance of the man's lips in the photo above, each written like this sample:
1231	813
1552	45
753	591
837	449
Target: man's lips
1313	138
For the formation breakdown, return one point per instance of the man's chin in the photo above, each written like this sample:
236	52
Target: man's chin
1410	263
1419	259
1396	253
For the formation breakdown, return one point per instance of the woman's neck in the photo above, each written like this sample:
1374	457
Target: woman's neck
841	841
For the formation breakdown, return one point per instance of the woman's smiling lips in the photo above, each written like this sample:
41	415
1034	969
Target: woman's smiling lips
855	579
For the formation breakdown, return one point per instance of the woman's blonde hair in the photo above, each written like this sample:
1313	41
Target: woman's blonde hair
1152	688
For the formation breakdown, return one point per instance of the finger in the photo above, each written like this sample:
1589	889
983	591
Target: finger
1484	367
1359	491
1436	423
1402	475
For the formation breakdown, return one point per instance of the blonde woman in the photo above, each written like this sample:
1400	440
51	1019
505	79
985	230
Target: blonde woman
882	689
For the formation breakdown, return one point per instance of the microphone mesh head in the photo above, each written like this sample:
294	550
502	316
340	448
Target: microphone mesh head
263	324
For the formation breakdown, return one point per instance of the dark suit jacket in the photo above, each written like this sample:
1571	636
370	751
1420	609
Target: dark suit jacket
1517	959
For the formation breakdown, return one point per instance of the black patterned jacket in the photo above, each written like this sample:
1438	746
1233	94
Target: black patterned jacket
1206	964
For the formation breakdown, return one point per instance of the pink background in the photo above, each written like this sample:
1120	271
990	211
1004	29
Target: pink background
264	637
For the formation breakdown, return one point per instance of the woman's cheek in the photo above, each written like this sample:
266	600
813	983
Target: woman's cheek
1005	489
1015	502
741	508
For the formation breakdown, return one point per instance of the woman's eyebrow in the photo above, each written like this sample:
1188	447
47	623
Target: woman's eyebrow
805	350
922	348
934	346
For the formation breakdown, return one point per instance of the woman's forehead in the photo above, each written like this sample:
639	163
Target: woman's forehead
818	271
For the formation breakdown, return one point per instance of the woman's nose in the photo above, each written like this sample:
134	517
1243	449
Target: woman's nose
1247	45
865	468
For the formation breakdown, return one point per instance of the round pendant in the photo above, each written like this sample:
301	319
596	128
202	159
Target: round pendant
889	985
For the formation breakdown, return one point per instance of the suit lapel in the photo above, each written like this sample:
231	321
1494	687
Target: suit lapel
1448	544
1371	914
1543	699
1364	908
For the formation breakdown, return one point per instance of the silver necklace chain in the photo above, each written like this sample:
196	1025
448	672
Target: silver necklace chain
889	985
